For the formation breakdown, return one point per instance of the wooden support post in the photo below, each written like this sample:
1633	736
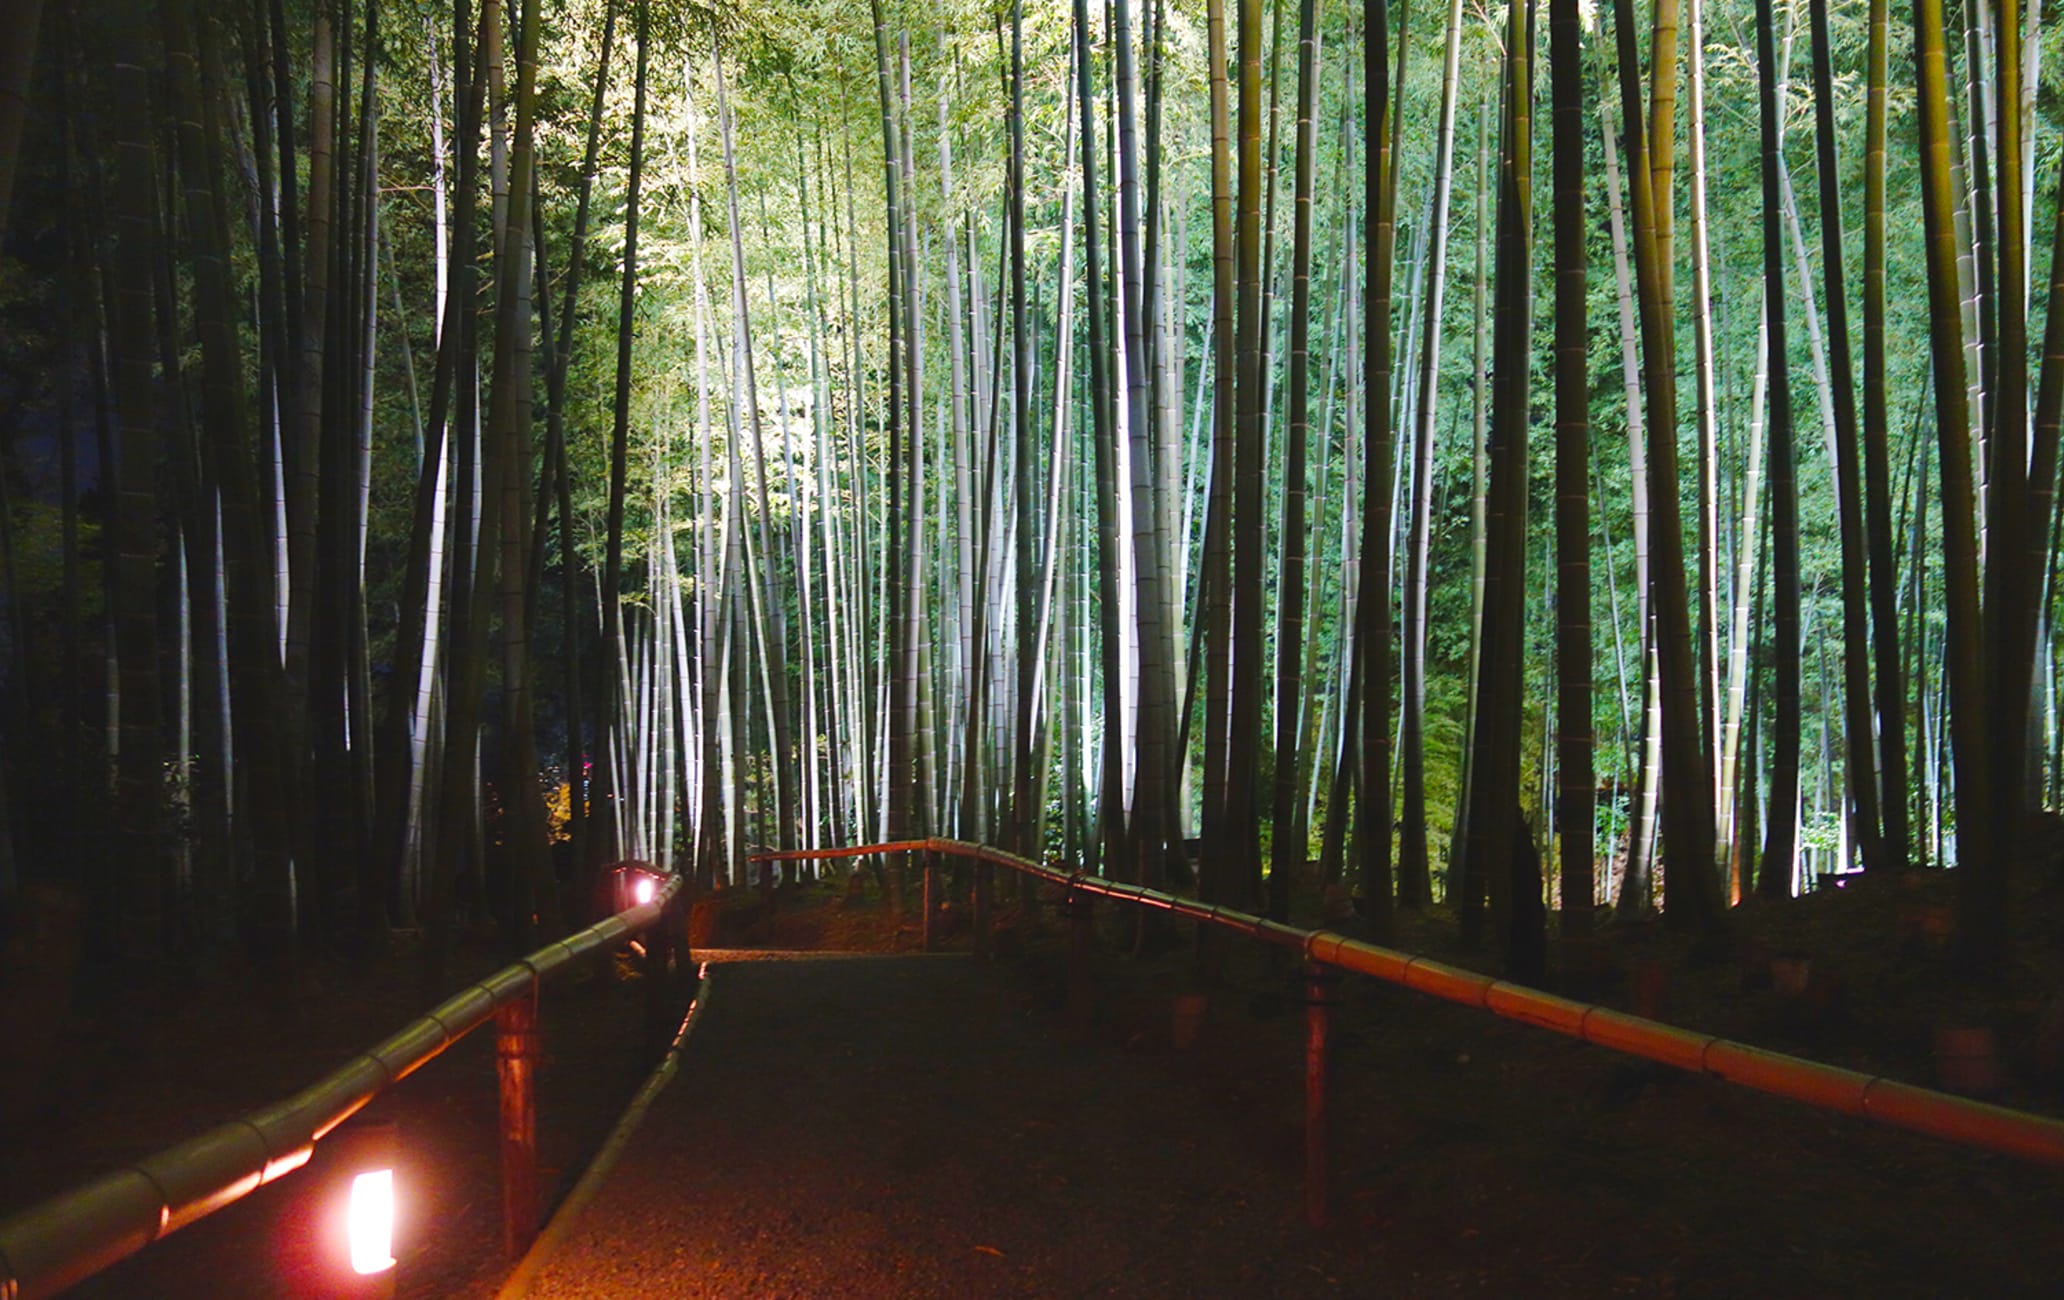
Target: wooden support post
931	901
1319	983
1078	909
516	1055
984	921
654	970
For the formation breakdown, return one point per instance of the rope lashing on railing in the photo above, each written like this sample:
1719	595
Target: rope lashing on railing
1888	1101
70	1237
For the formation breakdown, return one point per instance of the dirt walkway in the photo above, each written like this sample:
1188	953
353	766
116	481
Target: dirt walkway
920	1126
897	1127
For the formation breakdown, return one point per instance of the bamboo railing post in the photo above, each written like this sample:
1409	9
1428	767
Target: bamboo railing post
931	901
1078	909
1320	982
516	1054
657	962
983	921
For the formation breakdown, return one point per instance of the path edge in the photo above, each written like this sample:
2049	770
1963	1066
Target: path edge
517	1285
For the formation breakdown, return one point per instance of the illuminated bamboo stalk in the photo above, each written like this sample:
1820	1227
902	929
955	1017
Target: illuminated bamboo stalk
1575	813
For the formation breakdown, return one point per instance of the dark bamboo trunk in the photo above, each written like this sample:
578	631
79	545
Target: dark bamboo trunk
1289	847
609	786
1890	696
1774	879
1373	808
1860	754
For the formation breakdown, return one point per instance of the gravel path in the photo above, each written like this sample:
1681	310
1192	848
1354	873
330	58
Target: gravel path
929	1126
900	1127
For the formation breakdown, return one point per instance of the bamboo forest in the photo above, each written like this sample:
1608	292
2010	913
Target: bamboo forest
1307	648
1273	452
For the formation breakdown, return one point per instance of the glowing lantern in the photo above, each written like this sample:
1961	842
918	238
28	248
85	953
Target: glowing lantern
370	1221
634	885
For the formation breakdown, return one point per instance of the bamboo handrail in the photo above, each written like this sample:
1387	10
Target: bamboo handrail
70	1237
1827	1087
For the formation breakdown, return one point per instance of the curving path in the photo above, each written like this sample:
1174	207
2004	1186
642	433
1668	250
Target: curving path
923	1127
898	1126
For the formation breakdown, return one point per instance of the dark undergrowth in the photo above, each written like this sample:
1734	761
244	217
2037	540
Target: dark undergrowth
1483	1141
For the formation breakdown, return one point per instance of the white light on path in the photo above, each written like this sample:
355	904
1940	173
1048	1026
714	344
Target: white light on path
371	1221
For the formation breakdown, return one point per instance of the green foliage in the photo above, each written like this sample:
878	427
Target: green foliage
800	81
